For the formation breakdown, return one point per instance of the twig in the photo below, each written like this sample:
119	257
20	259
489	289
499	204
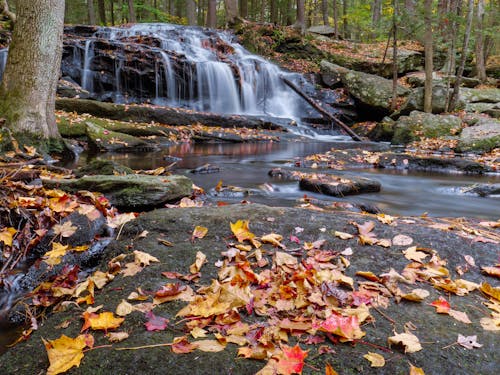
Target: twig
449	346
146	346
383	348
384	315
97	347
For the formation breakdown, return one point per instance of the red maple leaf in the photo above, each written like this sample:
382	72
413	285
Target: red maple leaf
155	323
442	306
291	361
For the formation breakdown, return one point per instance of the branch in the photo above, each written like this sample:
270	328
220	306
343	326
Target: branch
4	9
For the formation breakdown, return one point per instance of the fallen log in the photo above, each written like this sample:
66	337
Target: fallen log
317	107
164	115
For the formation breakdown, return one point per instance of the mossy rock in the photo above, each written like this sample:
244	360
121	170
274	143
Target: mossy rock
111	141
71	129
484	136
420	125
103	167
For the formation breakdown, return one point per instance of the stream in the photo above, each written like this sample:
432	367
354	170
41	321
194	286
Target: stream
246	165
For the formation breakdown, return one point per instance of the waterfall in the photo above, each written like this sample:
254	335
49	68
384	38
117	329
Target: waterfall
87	74
3	61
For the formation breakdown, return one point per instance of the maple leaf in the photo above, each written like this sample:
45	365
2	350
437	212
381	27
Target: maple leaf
131	269
291	360
65	352
442	306
90	211
143	259
283	258
211	346
117	336
103	321
492	271
343	326
64	230
54	256
416	370
124	308
242	232
413	254
416	295
181	345
155	323
408	340
376	360
469	342
402	240
6	236
329	370
198	263
366	236
460	316
490	291
199	232
274	239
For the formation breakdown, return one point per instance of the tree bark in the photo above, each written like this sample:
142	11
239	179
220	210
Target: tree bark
324	11
191	12
394	102
463	58
28	88
212	14
102	12
428	56
112	11
345	23
231	7
131	12
336	19
480	55
301	14
243	9
91	11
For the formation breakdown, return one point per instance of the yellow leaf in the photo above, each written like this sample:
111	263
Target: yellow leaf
64	353
408	340
199	232
285	259
143	259
212	346
329	370
200	260
491	324
375	359
53	256
416	295
416	370
117	336
119	220
124	308
490	291
274	239
241	231
6	235
64	230
343	235
198	332
131	269
103	321
412	254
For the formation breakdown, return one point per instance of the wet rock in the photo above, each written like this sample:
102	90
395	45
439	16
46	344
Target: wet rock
483	136
490	109
69	89
369	90
480	95
338	186
102	167
483	190
205	169
420	125
111	141
130	192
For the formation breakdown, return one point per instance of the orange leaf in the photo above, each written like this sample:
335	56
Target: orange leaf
492	271
343	326
416	370
329	370
442	306
65	352
6	235
291	361
182	346
102	321
490	291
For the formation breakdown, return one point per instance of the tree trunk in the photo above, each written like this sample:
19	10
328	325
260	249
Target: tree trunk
301	14
345	24
191	12
428	56
112	11
131	12
335	19
244	9
274	11
231	7
212	14
102	12
394	102
463	58
480	55
376	15
324	11
91	11
28	88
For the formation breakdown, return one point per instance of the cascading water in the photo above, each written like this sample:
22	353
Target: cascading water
3	60
194	68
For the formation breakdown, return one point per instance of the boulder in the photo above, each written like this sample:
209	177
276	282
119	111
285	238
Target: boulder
369	90
483	190
108	140
483	136
130	192
102	167
490	109
420	125
322	30
67	88
415	100
417	79
338	186
480	95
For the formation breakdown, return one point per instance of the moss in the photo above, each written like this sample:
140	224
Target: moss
483	145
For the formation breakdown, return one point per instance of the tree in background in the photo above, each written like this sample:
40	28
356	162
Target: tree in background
428	56
28	88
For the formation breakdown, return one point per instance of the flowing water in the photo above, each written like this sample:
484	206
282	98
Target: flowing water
246	166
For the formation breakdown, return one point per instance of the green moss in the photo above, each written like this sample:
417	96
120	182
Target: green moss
483	145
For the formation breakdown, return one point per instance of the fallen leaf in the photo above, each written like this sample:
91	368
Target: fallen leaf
346	327
103	321
274	239
143	259
460	316
131	269
211	346
409	341
442	306
6	235
416	370
54	256
490	291
413	254
343	235
64	230
376	360
155	323
329	370
199	232
124	308
241	230
117	336
119	220
181	345
200	260
492	271
416	295
283	258
64	353
469	342
291	360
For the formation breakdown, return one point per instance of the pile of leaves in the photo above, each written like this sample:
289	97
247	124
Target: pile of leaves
274	300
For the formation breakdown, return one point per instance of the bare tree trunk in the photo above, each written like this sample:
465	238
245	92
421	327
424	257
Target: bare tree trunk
345	24
274	11
212	14
112	11
191	12
463	58
28	88
244	9
324	11
480	55
131	12
91	11
335	19
394	102
301	14
102	12
428	56
231	12
376	15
